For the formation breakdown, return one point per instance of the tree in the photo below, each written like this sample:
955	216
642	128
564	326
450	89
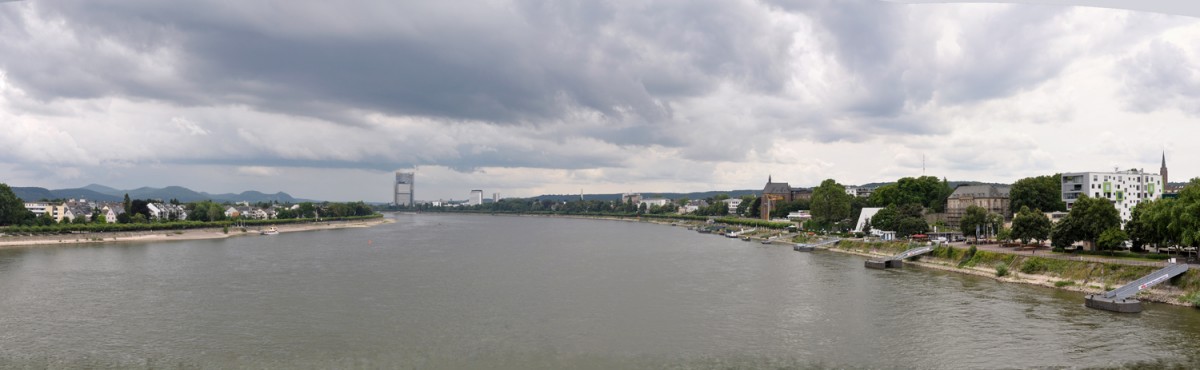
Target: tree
1093	216
1031	225
128	204
904	220
1111	239
755	208
1089	217
974	221
1041	192
927	191
830	203
12	209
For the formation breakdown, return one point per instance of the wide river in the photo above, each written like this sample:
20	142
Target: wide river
467	291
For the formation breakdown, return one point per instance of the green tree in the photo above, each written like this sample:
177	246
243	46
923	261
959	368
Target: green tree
927	191
830	203
12	209
1186	215
1041	192
1089	217
1111	239
974	221
904	220
1031	225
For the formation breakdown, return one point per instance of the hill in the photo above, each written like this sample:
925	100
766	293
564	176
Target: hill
107	194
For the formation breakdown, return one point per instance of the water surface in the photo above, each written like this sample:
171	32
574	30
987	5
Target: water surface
455	291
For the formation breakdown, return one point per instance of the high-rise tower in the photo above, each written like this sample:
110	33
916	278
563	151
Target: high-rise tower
403	189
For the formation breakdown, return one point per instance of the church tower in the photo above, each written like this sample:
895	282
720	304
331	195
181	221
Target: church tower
1163	171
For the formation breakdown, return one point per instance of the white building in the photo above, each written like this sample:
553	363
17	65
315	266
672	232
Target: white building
859	191
654	202
476	198
1125	189
733	204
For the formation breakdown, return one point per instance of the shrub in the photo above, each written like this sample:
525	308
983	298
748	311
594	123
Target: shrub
1001	270
1063	283
1033	266
225	229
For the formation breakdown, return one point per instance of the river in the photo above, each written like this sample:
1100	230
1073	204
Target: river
476	291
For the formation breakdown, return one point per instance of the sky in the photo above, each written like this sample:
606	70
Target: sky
325	100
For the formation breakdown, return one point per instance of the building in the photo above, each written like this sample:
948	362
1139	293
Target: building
1162	171
495	197
864	217
403	189
476	198
859	191
993	198
779	192
654	202
631	198
1125	189
733	204
693	206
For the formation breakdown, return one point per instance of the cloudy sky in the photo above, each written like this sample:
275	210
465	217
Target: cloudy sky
326	99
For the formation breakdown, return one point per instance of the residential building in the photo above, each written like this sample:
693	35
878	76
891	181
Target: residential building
111	211
41	208
476	198
778	192
693	206
167	211
733	204
993	198
1125	189
654	202
403	188
859	191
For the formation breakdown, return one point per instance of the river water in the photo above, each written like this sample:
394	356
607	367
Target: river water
473	291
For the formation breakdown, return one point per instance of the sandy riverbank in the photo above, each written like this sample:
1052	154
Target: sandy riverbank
168	235
1160	294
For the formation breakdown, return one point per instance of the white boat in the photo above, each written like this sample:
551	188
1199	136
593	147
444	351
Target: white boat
270	231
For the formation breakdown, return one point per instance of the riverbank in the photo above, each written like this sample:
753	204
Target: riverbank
187	234
1087	277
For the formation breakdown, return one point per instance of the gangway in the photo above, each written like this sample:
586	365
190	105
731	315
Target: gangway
1118	299
803	247
897	261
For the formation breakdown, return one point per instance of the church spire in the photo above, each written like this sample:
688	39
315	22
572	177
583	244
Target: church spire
1164	163
769	176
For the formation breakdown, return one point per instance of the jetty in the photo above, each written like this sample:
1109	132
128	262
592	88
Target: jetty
897	261
806	247
1118	300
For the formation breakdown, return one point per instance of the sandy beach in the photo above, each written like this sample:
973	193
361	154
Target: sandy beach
168	235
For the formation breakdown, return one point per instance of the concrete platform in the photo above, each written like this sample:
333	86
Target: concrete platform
873	264
804	248
1098	302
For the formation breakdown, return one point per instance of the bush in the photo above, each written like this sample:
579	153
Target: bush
1063	283
1033	266
1001	270
225	229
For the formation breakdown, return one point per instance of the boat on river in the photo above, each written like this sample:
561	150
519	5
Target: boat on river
270	231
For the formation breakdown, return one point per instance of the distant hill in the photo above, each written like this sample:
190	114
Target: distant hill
707	194
107	194
617	196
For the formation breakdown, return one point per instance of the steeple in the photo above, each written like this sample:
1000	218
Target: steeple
1163	171
1164	161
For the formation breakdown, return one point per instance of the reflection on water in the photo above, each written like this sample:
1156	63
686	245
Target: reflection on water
447	291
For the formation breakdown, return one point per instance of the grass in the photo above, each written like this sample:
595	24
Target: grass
1063	283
